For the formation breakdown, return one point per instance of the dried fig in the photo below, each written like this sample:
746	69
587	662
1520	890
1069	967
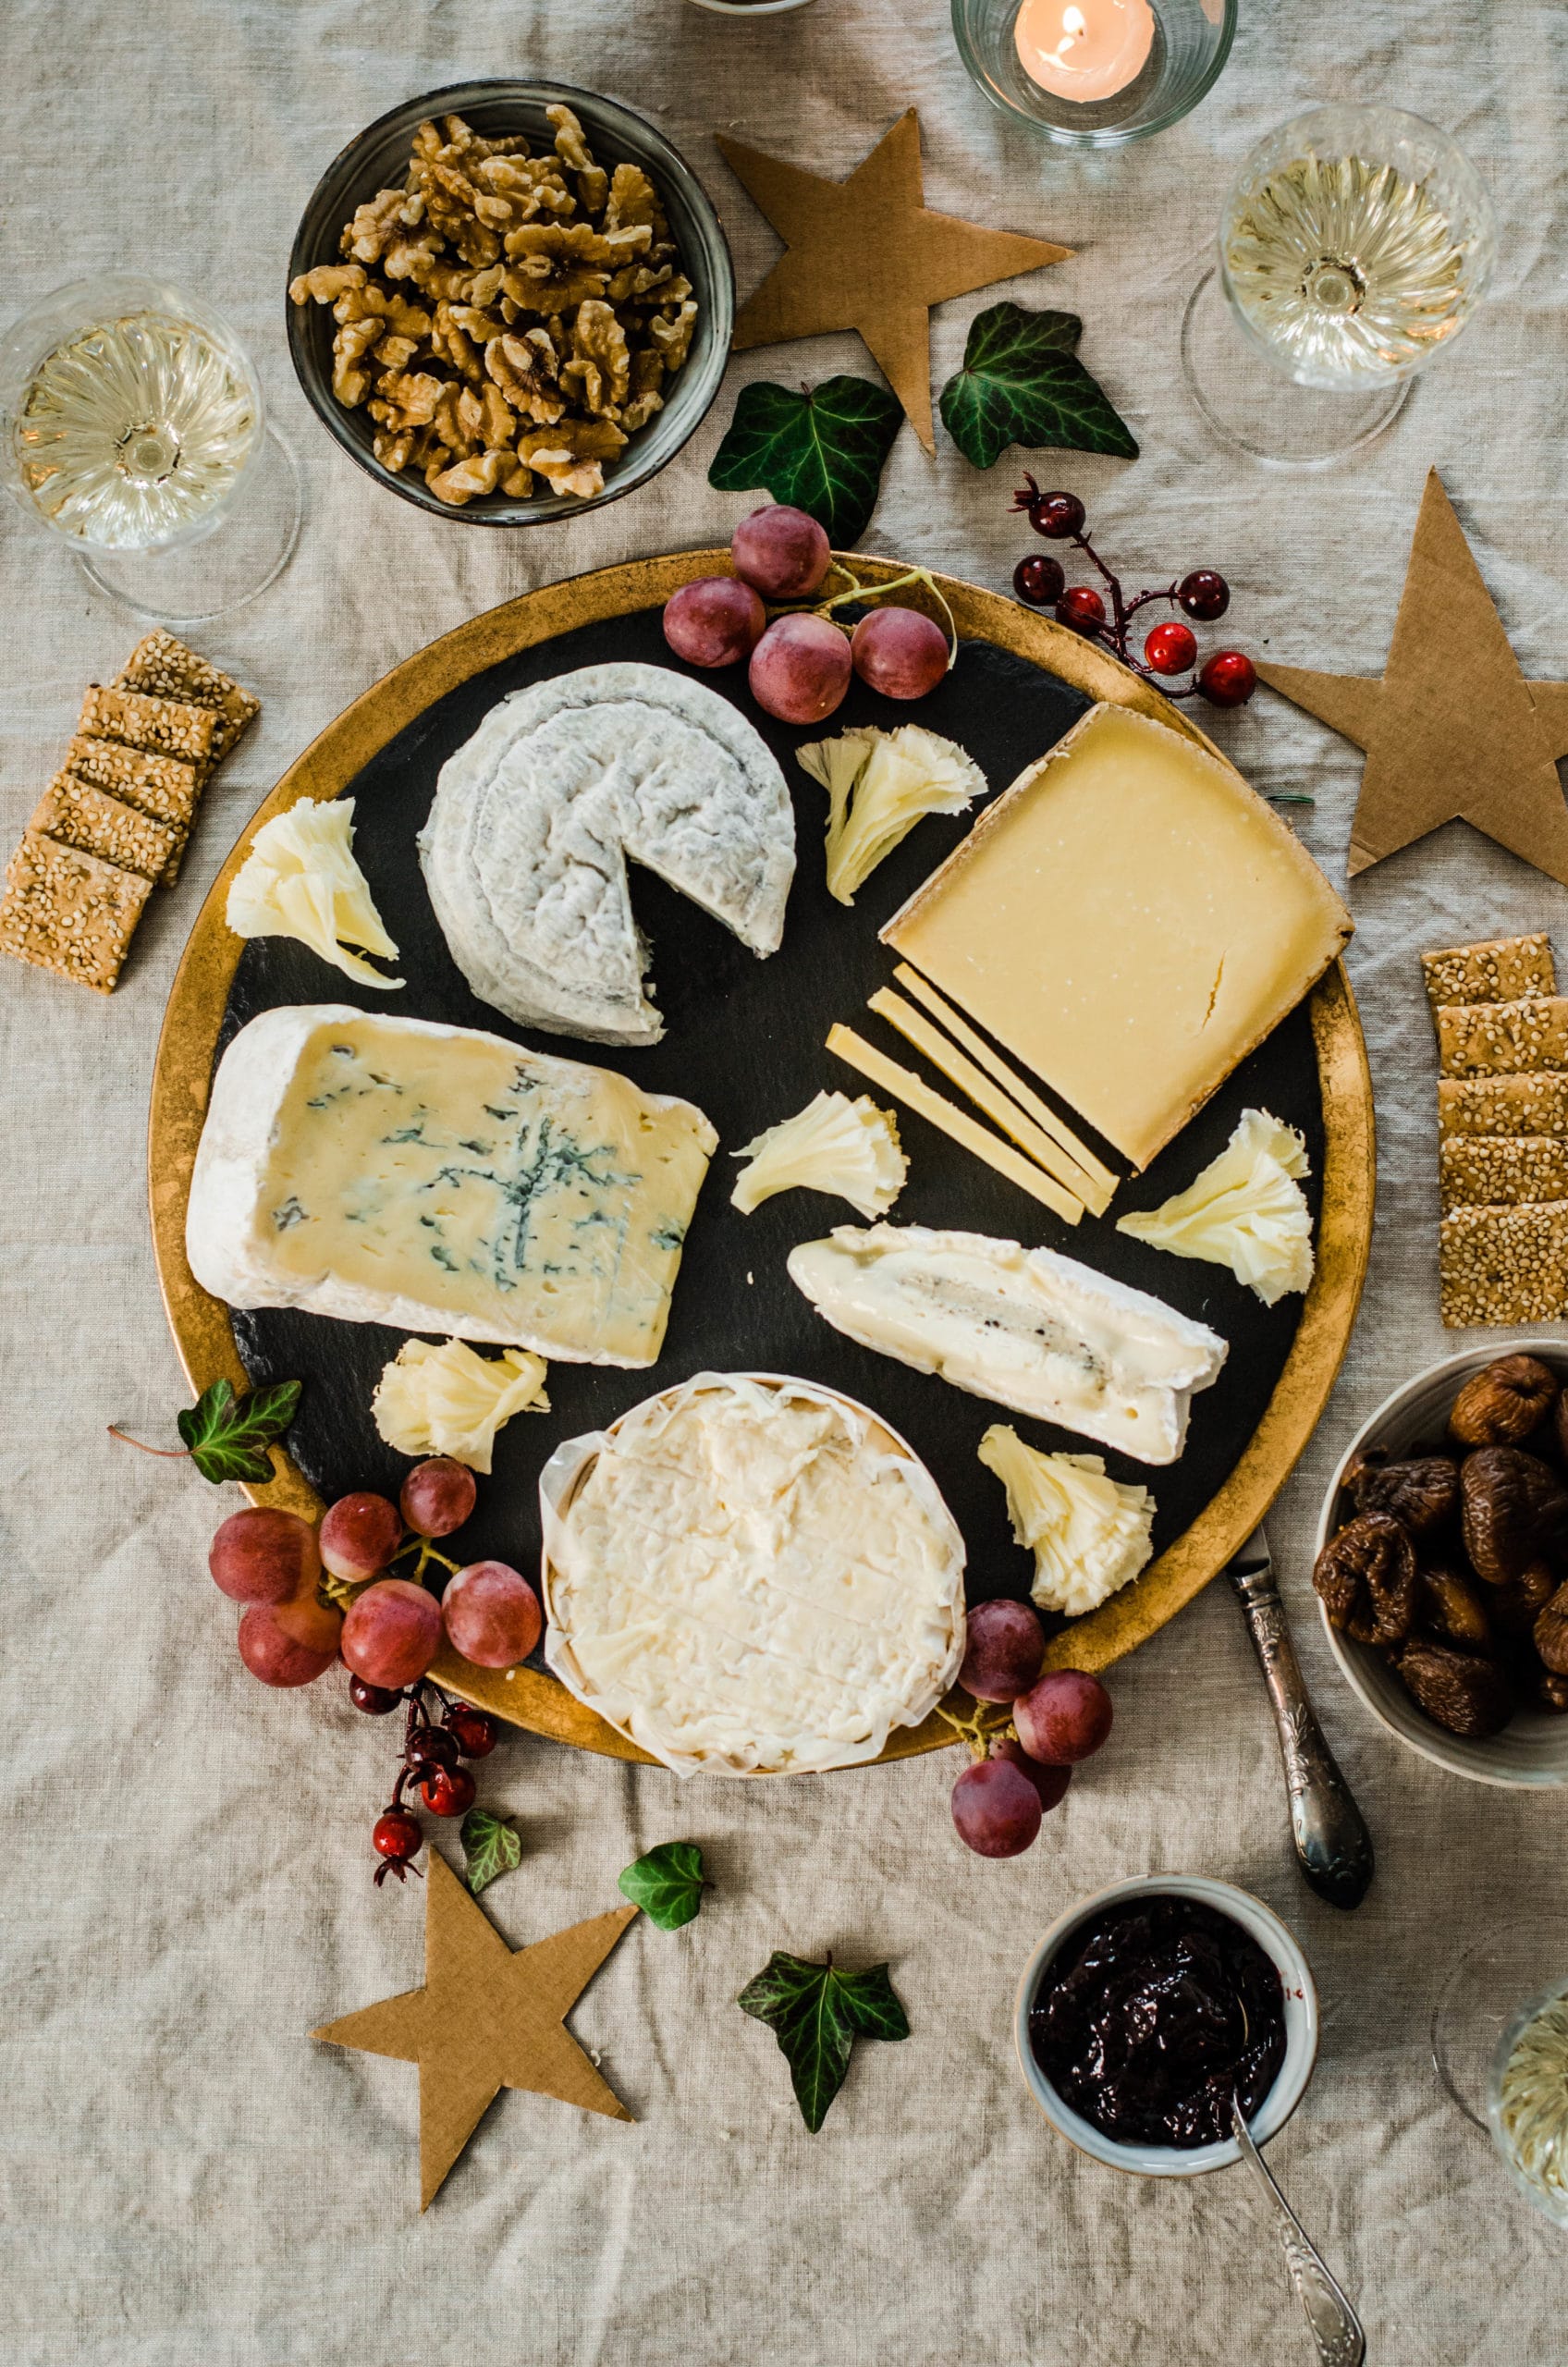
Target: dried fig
1421	1493
1504	1403
1514	1509
1550	1633
1450	1607
1367	1577
1516	1607
1459	1691
1551	1693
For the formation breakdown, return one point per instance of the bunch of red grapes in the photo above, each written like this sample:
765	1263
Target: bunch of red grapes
800	666
1023	1769
290	1634
1225	678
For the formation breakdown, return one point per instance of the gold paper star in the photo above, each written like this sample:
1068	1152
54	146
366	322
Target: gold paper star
1452	731
866	255
486	2019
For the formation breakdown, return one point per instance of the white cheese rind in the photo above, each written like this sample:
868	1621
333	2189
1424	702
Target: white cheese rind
440	1179
749	1575
536	816
1024	1328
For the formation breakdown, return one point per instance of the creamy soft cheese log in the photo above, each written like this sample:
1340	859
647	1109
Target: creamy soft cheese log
750	1574
1025	1328
392	1170
1129	919
536	817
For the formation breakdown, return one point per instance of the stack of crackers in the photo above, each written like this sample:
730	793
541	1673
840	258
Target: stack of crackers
115	819
1502	1126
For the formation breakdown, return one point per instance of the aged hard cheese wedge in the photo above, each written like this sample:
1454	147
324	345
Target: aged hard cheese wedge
1129	919
748	1574
391	1170
536	817
1024	1327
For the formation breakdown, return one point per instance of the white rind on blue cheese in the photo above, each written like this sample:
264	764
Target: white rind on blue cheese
440	1179
750	1575
536	816
1025	1328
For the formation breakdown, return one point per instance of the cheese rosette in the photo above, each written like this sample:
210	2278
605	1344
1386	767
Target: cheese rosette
751	1575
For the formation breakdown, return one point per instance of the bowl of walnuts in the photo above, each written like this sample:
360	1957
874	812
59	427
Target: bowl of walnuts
1442	1564
511	302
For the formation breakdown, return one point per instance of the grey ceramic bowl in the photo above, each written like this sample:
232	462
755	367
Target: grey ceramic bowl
378	158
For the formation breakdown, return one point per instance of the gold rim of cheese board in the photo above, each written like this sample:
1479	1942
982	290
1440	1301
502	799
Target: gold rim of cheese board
203	1334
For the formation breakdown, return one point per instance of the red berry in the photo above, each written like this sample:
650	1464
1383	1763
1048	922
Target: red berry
1082	608
1229	679
1170	648
396	1834
1056	515
1204	594
476	1732
432	1747
1038	579
448	1791
375	1700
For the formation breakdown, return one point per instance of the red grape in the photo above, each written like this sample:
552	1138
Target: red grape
780	552
995	1808
491	1615
901	652
439	1496
392	1633
264	1555
1064	1718
1005	1649
800	669
1051	1783
1170	648
1229	679
358	1535
714	621
289	1643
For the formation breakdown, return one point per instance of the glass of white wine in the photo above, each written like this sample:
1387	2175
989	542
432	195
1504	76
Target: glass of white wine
131	426
1356	244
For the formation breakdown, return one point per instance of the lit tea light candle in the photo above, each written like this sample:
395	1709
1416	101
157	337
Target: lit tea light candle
1085	49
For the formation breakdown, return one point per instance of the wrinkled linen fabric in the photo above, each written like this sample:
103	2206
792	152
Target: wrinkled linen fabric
185	2179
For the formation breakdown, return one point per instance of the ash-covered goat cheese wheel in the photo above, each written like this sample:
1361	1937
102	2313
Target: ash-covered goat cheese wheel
749	1575
538	815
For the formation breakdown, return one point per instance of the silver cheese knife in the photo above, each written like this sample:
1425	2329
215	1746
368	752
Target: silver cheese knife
1331	1839
1335	2329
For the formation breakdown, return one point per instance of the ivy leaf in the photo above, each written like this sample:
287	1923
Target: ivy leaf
822	449
227	1435
816	2013
1021	383
668	1884
491	1847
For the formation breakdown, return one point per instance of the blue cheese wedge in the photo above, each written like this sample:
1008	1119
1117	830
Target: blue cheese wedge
750	1575
439	1179
536	817
1025	1328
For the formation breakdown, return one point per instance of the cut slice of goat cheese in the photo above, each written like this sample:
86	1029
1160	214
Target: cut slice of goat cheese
536	817
1024	1328
440	1179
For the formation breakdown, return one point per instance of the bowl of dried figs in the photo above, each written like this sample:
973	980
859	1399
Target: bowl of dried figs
1442	1564
511	302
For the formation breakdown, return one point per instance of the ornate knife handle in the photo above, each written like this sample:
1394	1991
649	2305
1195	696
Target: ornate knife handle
1331	1839
1335	2329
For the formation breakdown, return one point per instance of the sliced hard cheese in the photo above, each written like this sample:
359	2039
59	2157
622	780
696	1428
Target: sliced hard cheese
962	1071
916	1095
391	1170
1129	919
1013	1085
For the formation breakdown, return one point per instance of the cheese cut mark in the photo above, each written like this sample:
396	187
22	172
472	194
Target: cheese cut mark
959	1127
1013	1085
1129	920
962	1072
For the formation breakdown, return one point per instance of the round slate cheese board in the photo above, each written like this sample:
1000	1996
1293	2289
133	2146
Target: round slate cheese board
745	1040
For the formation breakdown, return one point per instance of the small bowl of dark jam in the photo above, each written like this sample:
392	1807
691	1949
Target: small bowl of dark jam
1143	2007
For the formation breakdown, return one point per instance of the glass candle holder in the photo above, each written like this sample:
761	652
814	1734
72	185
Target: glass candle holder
1169	51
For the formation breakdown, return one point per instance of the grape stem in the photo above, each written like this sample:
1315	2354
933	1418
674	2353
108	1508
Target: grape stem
860	592
989	1722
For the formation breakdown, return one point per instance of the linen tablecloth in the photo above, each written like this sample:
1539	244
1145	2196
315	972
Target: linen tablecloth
187	2180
